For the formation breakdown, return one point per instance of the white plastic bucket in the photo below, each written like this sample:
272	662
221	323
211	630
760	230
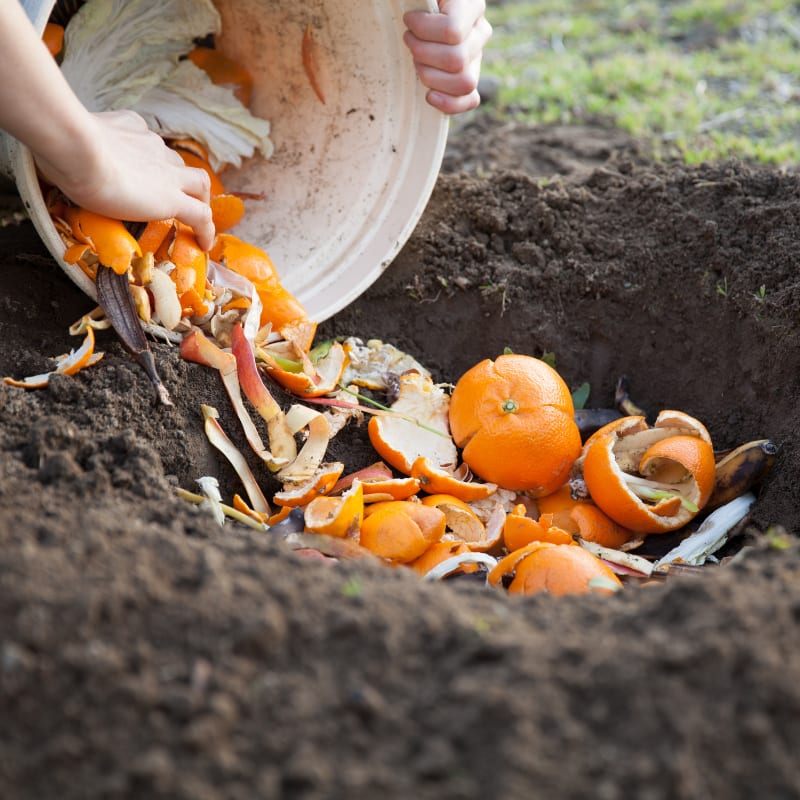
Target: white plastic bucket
349	178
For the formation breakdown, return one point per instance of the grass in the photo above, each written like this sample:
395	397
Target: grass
708	78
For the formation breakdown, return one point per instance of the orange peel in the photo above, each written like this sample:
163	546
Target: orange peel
390	489
108	238
69	364
505	569
436	480
650	480
560	504
520	530
462	523
436	553
401	530
416	427
224	71
302	493
560	570
595	526
340	517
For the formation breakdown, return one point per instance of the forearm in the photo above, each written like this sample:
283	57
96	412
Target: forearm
37	106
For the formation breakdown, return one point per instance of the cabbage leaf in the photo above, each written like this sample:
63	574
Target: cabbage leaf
129	54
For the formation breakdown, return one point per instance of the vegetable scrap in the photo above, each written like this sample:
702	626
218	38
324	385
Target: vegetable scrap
422	507
196	98
66	364
309	51
497	479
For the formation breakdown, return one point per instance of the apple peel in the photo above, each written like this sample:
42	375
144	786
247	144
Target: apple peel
219	439
298	418
197	347
281	438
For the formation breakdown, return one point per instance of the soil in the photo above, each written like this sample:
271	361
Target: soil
146	652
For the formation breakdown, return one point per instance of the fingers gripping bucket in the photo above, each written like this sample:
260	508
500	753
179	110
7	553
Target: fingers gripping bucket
349	177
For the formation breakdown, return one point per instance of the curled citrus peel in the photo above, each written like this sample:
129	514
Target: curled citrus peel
438	552
554	568
303	492
437	480
340	517
279	307
560	504
267	520
461	522
389	489
68	364
106	238
416	427
595	526
520	530
646	479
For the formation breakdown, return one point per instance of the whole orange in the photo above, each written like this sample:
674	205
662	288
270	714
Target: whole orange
514	419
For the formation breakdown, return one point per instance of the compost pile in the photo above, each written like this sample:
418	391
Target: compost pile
147	652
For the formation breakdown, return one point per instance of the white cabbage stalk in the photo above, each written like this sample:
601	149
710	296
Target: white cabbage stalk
209	486
186	104
711	535
126	54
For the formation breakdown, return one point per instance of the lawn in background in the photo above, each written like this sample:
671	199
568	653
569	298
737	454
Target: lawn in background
710	78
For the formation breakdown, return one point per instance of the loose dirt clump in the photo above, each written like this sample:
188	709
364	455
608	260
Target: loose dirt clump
145	652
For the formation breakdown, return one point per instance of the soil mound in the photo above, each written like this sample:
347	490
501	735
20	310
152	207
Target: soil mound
147	653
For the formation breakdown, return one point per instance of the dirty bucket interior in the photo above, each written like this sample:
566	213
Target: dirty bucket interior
350	176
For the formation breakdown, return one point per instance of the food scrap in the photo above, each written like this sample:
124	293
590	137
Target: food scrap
502	478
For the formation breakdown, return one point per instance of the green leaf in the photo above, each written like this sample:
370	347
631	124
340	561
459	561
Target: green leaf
549	359
581	395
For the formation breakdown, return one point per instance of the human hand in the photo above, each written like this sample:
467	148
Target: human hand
122	169
447	49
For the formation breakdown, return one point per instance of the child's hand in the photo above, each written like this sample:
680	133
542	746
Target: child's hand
447	49
131	174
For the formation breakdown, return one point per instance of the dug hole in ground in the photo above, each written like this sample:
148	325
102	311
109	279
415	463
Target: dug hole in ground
146	652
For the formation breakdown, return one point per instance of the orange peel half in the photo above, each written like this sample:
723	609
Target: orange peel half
650	480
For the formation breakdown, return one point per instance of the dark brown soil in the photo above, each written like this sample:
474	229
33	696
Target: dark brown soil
147	653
